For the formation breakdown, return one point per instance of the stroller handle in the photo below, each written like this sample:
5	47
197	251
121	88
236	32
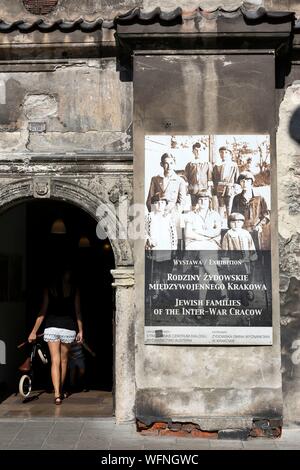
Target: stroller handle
25	342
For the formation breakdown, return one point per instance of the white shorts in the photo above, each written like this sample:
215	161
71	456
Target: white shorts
59	334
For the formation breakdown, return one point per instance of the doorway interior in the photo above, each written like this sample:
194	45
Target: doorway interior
36	236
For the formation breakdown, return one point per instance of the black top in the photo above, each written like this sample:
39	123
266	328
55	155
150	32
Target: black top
61	310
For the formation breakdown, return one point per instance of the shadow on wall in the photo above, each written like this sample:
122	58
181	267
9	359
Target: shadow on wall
294	127
290	332
290	298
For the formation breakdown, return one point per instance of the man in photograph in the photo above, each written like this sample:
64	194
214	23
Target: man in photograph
254	209
225	176
169	187
198	173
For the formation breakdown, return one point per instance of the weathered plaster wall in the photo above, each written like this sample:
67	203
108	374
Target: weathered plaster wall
84	105
208	384
87	109
288	151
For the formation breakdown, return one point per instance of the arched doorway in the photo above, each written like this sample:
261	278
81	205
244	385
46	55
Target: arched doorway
31	248
86	187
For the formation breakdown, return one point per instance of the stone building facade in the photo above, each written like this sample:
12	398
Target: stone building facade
81	84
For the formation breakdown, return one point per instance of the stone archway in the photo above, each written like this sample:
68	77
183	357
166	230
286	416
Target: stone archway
87	195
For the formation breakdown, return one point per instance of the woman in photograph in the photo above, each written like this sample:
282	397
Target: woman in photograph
203	225
203	233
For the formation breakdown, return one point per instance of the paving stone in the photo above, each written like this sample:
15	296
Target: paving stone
259	444
290	435
106	435
3	446
228	444
120	445
93	444
193	444
288	446
9	439
58	446
8	431
25	446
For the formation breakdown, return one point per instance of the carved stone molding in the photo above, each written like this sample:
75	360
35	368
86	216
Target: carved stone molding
123	277
41	188
86	192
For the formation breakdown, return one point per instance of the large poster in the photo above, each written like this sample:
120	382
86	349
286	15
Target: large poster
208	240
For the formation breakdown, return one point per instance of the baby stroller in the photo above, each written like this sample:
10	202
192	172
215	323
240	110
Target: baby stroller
27	368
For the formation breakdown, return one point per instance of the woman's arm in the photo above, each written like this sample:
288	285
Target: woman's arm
79	336
211	231
192	234
40	318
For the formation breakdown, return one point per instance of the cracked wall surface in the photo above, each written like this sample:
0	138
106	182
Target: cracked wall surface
59	99
288	152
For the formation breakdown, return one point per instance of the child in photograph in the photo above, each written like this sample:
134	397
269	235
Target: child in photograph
161	239
239	240
160	227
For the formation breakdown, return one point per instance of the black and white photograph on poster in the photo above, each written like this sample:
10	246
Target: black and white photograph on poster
208	239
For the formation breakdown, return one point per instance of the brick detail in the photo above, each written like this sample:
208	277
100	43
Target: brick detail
175	429
40	7
271	428
267	428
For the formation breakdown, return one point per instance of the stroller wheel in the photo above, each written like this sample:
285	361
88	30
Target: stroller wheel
42	356
25	386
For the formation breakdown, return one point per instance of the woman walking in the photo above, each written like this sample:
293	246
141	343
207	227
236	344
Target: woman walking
61	308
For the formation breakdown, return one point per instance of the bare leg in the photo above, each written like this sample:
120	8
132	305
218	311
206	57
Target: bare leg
64	355
54	348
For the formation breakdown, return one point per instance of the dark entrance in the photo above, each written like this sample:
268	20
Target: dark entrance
37	236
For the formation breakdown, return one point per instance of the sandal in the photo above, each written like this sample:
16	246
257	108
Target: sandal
65	394
57	401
